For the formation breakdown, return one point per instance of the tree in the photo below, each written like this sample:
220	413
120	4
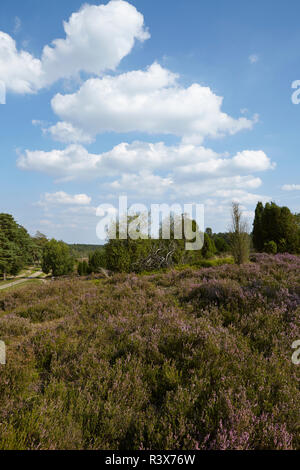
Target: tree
56	258
208	249
270	247
39	241
7	256
221	244
277	224
97	260
239	237
122	255
82	268
257	234
15	246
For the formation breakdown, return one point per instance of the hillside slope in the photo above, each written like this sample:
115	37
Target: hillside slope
181	360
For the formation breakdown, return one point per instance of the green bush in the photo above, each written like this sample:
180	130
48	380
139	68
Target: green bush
208	249
57	259
270	247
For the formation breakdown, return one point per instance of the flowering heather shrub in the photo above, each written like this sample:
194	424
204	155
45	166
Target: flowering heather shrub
193	359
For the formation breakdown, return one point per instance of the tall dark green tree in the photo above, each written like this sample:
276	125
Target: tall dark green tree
221	245
209	248
276	224
97	260
15	246
82	268
7	256
257	234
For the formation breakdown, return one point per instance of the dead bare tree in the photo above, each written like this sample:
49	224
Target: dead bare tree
158	257
239	236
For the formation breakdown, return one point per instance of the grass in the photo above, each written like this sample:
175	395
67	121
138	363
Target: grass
24	284
189	359
24	273
3	283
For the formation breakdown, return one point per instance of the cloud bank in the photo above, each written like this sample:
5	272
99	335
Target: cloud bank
149	101
97	38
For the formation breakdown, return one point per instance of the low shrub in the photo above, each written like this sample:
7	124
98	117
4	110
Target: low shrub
186	359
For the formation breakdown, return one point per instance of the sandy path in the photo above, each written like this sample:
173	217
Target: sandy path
15	283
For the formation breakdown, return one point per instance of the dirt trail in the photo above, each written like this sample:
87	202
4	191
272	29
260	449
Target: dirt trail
15	283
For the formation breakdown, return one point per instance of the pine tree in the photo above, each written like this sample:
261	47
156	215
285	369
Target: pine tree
257	234
276	224
208	249
15	246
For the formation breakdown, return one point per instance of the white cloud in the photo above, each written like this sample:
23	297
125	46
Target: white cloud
66	211
253	160
148	101
17	25
253	58
19	70
62	198
207	186
142	184
240	196
291	187
155	170
248	214
97	39
185	161
66	132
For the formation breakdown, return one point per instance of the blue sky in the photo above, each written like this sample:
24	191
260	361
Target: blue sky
129	102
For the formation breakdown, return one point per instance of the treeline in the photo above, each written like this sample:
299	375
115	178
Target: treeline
80	250
275	230
17	248
139	255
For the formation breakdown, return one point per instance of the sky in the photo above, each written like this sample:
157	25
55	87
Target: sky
164	102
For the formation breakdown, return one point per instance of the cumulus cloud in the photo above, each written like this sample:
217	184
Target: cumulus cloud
19	70
97	38
253	160
66	132
146	169
240	196
207	186
148	101
185	161
62	198
142	184
291	187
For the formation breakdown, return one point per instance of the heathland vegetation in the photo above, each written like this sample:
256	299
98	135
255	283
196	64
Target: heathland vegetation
152	347
186	359
275	230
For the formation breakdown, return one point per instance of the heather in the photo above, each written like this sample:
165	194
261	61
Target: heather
197	358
